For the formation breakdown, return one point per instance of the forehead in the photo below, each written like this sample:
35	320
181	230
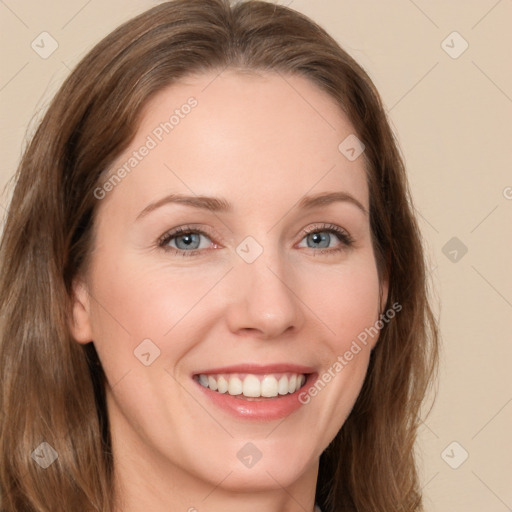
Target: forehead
247	135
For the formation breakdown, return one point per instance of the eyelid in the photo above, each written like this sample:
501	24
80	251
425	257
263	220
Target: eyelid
340	232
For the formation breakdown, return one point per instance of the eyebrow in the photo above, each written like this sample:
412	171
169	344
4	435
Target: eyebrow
212	204
309	202
216	204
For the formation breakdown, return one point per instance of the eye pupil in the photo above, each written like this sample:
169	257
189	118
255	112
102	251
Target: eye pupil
188	240
319	238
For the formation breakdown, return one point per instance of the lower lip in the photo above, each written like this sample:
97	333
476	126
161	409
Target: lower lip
262	410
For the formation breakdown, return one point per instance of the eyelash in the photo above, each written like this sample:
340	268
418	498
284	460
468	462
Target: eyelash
345	239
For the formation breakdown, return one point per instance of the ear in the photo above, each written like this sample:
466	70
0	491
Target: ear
80	322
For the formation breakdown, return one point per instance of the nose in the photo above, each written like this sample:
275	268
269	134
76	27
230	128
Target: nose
264	299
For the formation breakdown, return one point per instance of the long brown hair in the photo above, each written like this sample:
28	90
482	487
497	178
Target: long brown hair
52	388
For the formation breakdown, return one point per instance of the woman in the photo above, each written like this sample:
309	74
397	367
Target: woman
213	292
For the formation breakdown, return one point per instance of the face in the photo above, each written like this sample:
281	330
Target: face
232	259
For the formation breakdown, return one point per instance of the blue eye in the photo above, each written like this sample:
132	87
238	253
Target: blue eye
186	241
320	237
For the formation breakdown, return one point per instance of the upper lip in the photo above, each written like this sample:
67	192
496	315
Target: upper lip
259	369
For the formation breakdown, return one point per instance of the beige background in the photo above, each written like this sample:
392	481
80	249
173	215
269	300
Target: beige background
452	117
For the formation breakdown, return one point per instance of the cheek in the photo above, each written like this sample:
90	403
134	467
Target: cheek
135	301
344	298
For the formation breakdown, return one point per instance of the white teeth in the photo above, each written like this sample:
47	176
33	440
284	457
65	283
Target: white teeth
254	386
212	383
269	386
251	386
222	384
282	386
235	386
292	382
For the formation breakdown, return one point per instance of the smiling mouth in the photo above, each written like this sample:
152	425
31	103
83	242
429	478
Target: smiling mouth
249	386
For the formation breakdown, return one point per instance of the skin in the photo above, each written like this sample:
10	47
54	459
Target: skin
262	142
